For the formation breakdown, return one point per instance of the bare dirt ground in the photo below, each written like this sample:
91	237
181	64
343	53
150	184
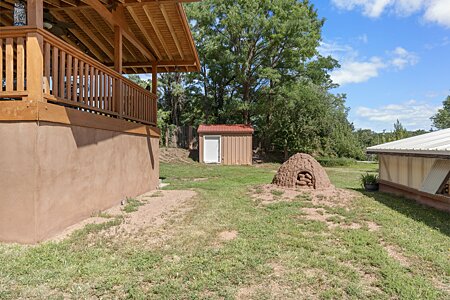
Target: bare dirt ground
320	200
155	209
174	155
332	197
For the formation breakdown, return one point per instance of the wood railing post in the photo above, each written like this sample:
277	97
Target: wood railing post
155	91
118	89
35	51
35	67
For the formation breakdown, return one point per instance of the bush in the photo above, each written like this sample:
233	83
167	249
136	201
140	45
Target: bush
336	161
369	179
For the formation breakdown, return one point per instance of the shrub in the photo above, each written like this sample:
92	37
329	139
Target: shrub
369	179
336	161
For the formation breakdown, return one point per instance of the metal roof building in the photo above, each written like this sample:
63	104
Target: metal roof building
417	168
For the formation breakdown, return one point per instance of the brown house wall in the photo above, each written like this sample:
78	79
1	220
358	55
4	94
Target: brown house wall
55	175
236	149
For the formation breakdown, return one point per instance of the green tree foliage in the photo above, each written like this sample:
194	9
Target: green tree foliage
400	132
441	119
260	65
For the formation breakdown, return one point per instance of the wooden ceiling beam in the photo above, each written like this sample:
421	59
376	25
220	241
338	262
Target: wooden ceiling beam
188	33
158	33
144	32
117	18
88	45
161	63
172	30
91	34
141	2
107	39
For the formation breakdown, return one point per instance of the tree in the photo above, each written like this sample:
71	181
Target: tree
441	119
400	132
249	46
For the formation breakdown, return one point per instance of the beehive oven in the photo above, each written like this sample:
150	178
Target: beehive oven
304	172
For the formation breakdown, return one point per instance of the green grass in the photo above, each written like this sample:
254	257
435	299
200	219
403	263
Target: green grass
277	253
132	205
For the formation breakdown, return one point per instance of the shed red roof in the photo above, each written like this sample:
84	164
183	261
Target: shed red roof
238	128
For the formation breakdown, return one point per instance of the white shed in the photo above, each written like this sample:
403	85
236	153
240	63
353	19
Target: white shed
417	168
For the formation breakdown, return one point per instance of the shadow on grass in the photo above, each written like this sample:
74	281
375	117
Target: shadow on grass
432	217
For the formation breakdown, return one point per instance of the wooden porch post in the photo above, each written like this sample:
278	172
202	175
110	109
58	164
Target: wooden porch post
155	90
118	55
35	53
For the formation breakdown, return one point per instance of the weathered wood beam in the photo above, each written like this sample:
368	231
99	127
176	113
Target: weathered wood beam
157	31
118	18
141	2
154	78
118	54
144	32
35	13
172	30
80	37
161	63
91	34
188	33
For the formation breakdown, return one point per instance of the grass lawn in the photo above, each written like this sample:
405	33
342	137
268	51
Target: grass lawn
274	252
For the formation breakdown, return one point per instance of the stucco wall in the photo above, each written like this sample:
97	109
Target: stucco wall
56	175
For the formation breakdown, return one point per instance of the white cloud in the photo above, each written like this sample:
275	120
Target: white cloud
412	114
439	12
436	11
401	58
356	69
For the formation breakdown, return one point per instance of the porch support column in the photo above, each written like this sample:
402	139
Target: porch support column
35	53
155	90
118	58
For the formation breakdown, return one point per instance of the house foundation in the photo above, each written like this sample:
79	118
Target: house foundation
54	175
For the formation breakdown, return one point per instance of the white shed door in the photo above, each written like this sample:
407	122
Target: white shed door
211	149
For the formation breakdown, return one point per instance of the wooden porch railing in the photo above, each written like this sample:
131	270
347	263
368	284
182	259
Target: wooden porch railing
12	64
71	78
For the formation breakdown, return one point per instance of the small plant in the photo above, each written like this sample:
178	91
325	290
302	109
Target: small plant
369	181
132	205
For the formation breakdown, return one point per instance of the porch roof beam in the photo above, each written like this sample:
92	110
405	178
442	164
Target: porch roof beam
117	18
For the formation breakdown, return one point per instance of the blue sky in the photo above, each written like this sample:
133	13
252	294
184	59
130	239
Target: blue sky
395	58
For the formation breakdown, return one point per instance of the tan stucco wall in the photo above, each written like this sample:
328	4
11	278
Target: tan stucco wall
56	175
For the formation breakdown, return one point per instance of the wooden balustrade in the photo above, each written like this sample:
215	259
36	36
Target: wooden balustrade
72	78
12	65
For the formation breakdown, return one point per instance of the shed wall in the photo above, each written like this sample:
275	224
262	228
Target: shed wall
405	170
236	148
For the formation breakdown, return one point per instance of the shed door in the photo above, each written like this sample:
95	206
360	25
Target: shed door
211	149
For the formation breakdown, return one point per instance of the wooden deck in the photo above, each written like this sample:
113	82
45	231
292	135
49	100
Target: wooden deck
37	66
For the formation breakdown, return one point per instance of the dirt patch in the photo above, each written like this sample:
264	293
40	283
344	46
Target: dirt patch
332	197
175	155
396	254
228	235
154	210
319	214
373	226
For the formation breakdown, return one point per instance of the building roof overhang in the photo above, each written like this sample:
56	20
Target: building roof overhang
156	32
